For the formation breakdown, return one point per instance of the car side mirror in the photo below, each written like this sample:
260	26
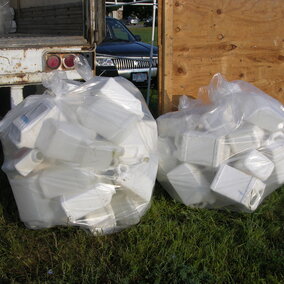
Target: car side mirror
138	37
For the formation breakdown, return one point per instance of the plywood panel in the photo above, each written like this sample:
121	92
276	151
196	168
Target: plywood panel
242	39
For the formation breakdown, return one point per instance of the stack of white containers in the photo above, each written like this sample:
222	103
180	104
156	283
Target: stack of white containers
85	156
227	153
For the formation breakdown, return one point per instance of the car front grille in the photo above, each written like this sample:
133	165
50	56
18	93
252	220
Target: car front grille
129	63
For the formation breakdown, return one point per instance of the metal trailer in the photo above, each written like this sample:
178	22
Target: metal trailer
48	35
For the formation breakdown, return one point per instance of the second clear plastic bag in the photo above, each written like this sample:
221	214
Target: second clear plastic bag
223	149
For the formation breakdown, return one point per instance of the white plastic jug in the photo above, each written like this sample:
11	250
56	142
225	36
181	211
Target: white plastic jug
108	118
63	180
74	143
25	161
256	164
238	187
246	137
118	91
100	221
190	184
26	127
125	209
167	152
35	210
139	143
82	204
140	178
267	118
202	148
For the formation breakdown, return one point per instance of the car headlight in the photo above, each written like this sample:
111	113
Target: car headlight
104	62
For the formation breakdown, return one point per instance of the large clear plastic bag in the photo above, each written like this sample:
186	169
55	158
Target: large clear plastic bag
223	149
82	154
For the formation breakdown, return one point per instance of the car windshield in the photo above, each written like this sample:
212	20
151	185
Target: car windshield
115	31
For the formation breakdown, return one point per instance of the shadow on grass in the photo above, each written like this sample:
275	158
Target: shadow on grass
7	202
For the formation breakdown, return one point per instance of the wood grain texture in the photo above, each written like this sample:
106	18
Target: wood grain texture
242	39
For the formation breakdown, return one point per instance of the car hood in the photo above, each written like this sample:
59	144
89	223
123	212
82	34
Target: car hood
134	49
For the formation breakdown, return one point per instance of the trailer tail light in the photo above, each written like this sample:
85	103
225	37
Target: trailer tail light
69	61
64	61
53	61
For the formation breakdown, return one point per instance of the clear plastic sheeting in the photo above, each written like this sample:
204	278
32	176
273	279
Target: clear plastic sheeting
224	149
83	154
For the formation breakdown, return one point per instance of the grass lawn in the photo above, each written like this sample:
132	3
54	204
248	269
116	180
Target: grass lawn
145	33
171	244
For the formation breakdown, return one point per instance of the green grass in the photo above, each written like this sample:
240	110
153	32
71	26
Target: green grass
171	244
145	33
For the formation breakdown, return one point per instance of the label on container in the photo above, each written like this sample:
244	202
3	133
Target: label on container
31	116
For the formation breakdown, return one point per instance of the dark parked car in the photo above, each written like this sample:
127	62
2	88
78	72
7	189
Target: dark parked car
149	22
123	54
132	20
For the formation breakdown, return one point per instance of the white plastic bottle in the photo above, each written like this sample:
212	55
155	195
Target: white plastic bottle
267	118
190	184
29	161
108	118
35	210
202	148
25	128
62	180
100	221
140	178
125	208
241	189
82	204
139	143
246	137
256	164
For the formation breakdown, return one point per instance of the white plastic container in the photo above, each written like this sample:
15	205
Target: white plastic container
164	181
25	161
108	119
267	118
138	145
80	205
190	184
240	188
220	121
167	152
172	126
202	148
246	137
26	127
255	164
275	152
63	180
63	140
74	143
100	221
28	162
35	210
125	208
140	178
118	91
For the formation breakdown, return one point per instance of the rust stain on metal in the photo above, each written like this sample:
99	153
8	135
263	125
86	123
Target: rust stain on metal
4	57
23	79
